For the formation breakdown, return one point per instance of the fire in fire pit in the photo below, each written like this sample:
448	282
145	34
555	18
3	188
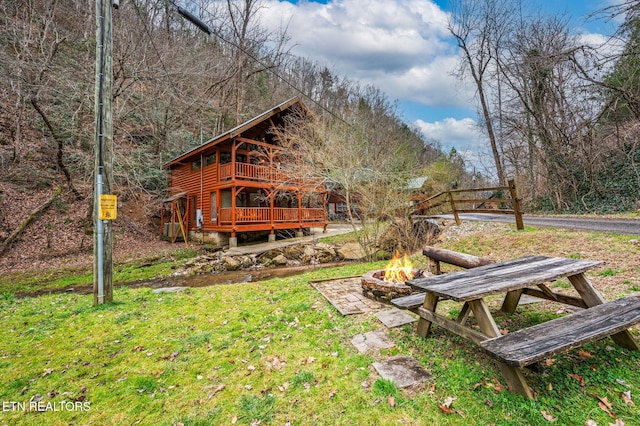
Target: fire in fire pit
386	284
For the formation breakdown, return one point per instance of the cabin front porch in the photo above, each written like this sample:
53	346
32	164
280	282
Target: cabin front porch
182	218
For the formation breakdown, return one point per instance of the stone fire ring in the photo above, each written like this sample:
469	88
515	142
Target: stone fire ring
375	287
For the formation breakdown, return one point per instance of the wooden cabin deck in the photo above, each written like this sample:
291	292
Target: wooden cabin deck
235	183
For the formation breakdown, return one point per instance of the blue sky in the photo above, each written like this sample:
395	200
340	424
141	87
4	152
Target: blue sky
403	47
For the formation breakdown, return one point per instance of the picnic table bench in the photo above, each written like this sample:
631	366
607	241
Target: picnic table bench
526	275
532	344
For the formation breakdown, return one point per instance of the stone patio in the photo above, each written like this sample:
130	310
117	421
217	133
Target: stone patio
404	371
394	317
346	295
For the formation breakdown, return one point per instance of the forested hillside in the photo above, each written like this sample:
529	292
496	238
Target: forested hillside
173	87
560	107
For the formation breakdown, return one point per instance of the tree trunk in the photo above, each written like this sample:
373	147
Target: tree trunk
60	151
34	214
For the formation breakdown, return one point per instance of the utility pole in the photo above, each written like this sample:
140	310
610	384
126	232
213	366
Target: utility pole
103	170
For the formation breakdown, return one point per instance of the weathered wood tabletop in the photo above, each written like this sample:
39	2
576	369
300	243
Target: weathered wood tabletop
502	277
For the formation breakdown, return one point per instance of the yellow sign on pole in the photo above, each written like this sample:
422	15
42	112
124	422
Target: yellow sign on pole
108	207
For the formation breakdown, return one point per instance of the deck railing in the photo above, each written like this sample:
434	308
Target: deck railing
253	172
262	215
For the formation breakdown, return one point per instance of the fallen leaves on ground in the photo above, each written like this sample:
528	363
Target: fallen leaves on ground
605	406
274	363
585	354
170	357
548	417
284	387
220	388
495	385
446	408
391	401
577	377
626	397
307	360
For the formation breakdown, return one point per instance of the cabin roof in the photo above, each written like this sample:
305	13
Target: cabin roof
236	131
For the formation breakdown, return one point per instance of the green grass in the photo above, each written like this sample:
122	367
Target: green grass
56	279
609	272
340	239
275	352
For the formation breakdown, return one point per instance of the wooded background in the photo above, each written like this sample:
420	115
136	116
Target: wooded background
561	117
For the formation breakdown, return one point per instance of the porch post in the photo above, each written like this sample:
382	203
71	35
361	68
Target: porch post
233	161
218	207
325	200
299	234
272	235
233	208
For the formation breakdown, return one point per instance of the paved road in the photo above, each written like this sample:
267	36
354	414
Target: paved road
618	226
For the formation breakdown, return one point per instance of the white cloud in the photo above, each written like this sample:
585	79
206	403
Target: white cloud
402	47
462	134
465	136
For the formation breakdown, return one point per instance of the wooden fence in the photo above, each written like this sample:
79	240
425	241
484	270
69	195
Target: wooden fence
472	201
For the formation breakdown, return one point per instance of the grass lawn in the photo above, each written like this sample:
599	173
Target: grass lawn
277	353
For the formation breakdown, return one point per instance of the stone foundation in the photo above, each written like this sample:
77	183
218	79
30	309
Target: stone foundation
217	239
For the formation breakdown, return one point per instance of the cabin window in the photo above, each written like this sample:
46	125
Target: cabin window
341	207
214	207
225	157
225	198
210	159
195	165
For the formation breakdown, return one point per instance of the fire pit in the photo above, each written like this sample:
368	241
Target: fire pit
386	284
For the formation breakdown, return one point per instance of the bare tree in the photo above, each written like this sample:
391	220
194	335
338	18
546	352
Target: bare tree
366	161
480	28
551	110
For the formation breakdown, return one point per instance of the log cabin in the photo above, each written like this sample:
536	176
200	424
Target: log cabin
233	184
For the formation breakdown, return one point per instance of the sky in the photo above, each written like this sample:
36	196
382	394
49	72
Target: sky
403	47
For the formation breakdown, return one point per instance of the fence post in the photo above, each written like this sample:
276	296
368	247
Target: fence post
453	209
515	202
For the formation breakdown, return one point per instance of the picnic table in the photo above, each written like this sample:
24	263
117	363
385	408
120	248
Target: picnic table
513	278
